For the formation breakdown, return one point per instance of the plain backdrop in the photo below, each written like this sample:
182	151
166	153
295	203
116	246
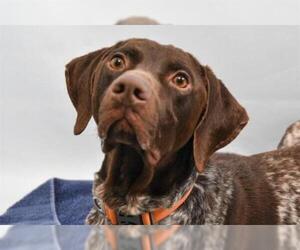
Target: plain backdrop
200	12
259	64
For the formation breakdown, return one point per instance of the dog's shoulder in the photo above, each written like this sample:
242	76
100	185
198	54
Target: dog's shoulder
283	160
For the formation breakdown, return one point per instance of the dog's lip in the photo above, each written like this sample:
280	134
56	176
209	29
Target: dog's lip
126	119
153	157
105	127
116	135
121	132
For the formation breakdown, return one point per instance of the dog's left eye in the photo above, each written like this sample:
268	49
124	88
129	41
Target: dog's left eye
181	80
117	62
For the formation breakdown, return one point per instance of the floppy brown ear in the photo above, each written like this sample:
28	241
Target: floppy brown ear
223	120
79	84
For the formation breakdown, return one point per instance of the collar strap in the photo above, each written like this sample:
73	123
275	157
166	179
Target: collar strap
147	218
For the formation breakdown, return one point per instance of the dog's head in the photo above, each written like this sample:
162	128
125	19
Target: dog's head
153	98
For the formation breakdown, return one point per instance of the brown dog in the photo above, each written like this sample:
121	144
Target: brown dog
161	115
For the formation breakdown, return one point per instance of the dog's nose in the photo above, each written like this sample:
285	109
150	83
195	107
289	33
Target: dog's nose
132	87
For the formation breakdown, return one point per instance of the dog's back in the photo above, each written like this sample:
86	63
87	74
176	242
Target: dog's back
266	185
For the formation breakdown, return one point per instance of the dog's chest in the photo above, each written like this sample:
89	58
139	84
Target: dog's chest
209	201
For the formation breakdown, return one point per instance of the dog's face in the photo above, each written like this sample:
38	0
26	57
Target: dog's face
153	98
144	94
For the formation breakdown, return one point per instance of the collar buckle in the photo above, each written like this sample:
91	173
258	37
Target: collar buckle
129	219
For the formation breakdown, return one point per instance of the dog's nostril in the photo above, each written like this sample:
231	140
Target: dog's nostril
130	89
119	88
139	94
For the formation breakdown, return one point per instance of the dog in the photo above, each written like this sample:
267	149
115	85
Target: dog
161	115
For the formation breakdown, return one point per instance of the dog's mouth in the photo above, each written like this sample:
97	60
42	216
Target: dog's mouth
121	132
129	130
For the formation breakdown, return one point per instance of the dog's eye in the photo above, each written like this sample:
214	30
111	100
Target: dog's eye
181	80
117	62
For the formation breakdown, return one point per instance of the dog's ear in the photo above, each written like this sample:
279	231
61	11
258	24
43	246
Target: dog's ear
79	76
222	121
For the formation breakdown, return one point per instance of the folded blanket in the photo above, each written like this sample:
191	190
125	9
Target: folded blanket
56	202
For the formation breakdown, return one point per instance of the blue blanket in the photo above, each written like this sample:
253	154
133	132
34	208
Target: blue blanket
56	202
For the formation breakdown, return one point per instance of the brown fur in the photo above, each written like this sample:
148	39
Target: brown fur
291	136
158	136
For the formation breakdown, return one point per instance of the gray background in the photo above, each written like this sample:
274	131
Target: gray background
259	64
166	11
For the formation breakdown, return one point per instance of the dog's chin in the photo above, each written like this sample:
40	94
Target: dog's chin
122	133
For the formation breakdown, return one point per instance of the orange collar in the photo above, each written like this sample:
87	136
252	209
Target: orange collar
147	218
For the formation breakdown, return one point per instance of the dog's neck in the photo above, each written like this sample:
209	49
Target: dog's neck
123	171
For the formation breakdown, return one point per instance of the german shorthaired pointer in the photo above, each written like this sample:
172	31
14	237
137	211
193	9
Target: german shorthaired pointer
160	116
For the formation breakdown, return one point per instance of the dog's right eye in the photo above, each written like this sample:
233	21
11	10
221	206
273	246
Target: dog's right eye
181	80
117	62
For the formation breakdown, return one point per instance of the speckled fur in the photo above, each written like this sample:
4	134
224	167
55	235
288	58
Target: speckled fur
291	136
219	186
211	194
